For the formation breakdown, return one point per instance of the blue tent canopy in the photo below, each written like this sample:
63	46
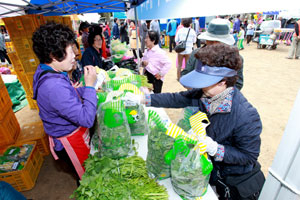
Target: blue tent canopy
68	7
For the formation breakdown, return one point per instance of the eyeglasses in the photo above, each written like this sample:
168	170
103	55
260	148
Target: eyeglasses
98	40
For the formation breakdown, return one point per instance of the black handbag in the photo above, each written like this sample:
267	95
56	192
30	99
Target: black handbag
180	47
247	186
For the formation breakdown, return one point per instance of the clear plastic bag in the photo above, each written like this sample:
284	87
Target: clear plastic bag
114	129
158	145
188	179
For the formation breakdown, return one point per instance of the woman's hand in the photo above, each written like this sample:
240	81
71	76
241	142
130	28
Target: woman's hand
90	75
158	76
145	63
77	84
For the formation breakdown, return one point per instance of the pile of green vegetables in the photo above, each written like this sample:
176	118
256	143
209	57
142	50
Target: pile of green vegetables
124	179
158	145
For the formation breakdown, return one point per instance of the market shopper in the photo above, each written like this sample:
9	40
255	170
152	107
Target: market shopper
84	32
188	34
250	31
218	31
67	113
77	71
3	53
116	30
133	35
295	48
93	54
233	141
156	62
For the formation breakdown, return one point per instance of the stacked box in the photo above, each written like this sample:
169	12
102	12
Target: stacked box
35	132
5	101
9	129
25	178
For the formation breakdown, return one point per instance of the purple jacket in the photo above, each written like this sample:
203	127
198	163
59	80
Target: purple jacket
236	25
61	110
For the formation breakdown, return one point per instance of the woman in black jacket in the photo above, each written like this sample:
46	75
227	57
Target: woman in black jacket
233	140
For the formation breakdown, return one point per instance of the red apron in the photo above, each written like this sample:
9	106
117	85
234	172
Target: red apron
77	147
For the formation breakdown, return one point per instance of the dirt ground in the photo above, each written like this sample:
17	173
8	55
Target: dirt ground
271	83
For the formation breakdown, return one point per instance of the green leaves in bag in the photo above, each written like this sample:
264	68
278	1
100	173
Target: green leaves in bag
158	145
114	130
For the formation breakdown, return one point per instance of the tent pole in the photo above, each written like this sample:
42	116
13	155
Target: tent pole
137	39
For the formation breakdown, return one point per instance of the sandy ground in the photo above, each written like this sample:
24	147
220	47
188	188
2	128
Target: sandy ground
271	83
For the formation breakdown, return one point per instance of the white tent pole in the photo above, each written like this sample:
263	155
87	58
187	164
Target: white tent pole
137	38
283	181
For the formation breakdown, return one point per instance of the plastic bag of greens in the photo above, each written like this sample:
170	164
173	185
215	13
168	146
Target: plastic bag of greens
136	119
190	166
158	145
183	121
114	129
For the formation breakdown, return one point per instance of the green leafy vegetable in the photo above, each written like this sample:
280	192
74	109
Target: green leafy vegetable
127	178
189	179
114	130
158	145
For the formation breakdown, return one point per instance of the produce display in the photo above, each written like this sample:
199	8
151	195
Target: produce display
127	178
118	50
114	129
14	158
158	145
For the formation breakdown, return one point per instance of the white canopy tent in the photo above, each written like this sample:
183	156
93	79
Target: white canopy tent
7	6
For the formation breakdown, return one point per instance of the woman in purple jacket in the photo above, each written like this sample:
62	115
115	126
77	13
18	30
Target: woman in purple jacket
66	112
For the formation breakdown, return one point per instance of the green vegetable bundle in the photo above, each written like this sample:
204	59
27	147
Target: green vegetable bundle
114	129
190	174
124	179
184	121
158	145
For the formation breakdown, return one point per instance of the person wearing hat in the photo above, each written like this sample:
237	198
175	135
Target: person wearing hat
233	136
84	32
218	32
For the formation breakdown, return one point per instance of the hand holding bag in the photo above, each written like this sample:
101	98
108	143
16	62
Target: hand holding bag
180	47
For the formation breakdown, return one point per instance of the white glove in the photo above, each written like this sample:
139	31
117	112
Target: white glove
211	146
131	99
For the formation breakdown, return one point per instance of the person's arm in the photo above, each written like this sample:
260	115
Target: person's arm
166	65
87	59
190	65
169	100
177	36
71	108
240	82
246	139
297	29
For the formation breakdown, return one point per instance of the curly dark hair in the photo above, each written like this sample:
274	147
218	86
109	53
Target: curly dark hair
221	55
91	37
51	40
186	22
